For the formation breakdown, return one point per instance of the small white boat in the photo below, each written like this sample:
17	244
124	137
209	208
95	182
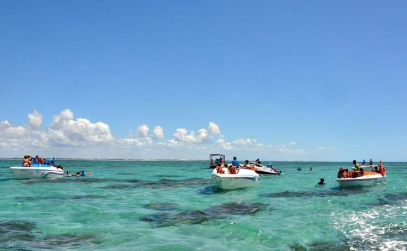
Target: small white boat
259	168
244	178
360	179
215	159
37	171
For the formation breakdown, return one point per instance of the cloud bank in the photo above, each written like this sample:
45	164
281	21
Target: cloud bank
67	136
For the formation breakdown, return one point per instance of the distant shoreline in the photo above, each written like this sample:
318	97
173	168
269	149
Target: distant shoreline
105	159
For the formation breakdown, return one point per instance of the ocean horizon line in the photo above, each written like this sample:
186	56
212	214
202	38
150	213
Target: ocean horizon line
176	159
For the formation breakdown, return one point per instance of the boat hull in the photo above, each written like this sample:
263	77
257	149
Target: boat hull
261	169
369	180
36	172
245	178
265	171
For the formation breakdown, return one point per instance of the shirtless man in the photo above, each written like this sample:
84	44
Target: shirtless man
26	161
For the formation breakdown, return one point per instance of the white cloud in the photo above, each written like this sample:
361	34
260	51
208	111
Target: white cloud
292	143
244	142
67	131
213	129
11	136
81	137
142	131
323	148
158	132
137	142
35	119
203	135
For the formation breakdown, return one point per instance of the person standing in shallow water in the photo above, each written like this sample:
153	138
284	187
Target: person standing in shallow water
321	182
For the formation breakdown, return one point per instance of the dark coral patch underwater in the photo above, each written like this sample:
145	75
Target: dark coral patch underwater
23	235
200	216
162	206
309	194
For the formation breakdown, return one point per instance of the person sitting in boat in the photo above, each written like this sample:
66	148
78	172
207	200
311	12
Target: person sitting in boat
356	165
258	161
219	168
248	166
39	160
371	162
35	160
375	169
270	165
233	170
51	162
342	173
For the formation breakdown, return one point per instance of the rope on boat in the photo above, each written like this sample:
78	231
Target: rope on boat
146	192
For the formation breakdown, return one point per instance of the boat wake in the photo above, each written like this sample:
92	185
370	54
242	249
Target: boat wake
377	228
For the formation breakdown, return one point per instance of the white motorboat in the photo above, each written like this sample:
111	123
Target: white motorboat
37	171
244	178
215	159
361	178
259	168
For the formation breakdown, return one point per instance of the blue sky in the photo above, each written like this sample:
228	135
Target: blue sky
275	80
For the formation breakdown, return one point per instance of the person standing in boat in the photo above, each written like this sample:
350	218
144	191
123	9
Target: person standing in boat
371	162
26	161
382	170
356	165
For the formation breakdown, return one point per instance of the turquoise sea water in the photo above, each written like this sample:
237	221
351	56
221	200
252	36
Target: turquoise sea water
157	205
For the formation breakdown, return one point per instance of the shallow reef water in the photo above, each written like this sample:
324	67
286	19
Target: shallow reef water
173	205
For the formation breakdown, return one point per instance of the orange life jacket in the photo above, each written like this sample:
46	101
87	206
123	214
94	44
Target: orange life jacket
219	169
382	170
232	170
